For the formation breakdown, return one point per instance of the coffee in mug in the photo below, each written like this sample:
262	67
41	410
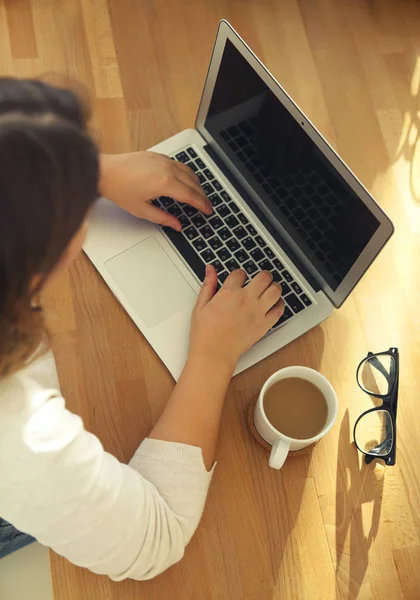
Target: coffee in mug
296	407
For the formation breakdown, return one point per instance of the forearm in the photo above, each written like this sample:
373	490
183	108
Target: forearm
193	412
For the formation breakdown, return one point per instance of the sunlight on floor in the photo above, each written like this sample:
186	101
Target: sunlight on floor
407	158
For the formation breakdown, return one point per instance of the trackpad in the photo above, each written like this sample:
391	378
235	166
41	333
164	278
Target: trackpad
150	281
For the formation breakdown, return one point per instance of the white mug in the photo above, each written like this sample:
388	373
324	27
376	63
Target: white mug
282	444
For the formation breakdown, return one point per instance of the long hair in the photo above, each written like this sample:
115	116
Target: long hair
49	174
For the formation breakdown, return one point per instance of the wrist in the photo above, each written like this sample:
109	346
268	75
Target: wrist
106	168
212	361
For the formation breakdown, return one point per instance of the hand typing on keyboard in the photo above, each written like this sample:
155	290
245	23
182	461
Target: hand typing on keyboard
133	180
227	323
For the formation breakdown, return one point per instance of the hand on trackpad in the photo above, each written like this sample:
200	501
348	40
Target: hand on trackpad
150	282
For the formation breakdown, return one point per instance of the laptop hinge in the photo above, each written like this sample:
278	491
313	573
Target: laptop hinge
253	206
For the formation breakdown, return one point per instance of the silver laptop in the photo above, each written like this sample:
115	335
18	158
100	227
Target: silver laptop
283	201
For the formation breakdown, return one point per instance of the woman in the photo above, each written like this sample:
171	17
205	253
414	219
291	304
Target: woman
56	482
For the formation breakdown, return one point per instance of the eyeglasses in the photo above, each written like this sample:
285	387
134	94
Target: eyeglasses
375	431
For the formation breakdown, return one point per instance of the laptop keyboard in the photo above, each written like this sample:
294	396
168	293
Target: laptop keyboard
226	239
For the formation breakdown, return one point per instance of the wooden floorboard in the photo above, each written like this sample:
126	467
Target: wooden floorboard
325	526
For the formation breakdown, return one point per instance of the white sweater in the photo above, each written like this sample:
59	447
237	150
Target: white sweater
58	484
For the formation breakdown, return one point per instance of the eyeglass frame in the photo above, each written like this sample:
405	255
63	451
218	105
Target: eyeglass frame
389	404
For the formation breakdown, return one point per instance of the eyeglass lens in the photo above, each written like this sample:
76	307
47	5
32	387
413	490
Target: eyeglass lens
377	373
374	433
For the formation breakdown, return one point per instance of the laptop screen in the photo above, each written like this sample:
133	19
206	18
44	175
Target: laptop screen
302	191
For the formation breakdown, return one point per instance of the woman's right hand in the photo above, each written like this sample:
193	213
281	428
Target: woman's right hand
227	324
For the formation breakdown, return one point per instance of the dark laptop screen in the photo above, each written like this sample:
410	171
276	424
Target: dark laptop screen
301	189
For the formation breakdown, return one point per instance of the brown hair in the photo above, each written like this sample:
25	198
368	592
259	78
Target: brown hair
48	181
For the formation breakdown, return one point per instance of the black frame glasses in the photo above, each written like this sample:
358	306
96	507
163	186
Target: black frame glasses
385	366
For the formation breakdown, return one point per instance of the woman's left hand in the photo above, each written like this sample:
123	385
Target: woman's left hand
133	180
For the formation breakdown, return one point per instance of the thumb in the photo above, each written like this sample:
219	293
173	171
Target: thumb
209	287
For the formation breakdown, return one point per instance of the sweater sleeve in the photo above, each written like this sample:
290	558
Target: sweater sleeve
58	484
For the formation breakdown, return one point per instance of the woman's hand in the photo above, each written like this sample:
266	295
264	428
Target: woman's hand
226	324
133	180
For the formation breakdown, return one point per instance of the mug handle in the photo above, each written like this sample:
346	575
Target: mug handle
279	453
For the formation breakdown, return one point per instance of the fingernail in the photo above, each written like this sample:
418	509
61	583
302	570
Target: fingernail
207	270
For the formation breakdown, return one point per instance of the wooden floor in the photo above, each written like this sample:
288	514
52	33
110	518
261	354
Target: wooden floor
326	526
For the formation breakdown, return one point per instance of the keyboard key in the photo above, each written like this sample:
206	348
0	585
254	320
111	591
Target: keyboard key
198	220
223	276
241	255
250	267
243	219
192	152
265	265
208	189
199	244
305	300
232	265
207	255
165	201
296	288
200	163
285	288
225	196
201	178
156	202
190	211
251	230
182	157
257	254
192	166
216	222
215	243
260	241
276	276
175	210
190	233
233	245
233	207
217	185
269	253
287	276
249	243
184	220
215	199
285	316
231	221
279	265
239	232
294	303
218	266
208	174
225	233
223	210
224	254
207	232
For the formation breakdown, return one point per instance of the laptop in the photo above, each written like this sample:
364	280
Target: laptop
283	201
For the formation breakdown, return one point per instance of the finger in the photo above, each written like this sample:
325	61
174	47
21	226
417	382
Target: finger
270	296
195	185
274	314
235	280
159	216
187	170
181	192
260	283
209	287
